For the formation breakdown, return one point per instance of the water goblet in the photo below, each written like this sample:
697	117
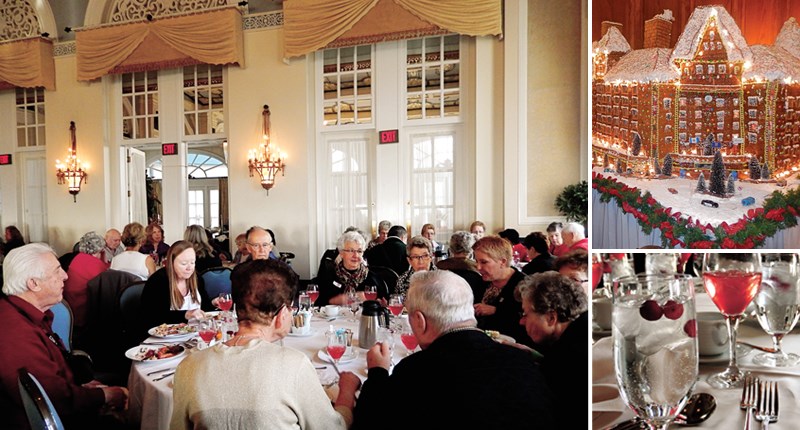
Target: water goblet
337	345
370	292
732	281
207	329
654	345
353	304
396	304
408	338
313	292
777	306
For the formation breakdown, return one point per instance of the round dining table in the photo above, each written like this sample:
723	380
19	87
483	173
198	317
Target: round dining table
608	409
150	398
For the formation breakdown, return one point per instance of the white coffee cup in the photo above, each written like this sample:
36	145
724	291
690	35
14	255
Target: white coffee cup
601	312
331	310
712	334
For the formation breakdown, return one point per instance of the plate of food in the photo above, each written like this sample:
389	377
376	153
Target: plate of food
499	337
172	331
154	353
346	358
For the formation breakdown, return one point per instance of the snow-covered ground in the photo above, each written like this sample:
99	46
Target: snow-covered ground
687	201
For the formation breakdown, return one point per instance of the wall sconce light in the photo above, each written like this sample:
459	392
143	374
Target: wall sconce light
267	160
72	172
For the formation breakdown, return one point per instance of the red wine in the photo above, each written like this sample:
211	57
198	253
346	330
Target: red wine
336	351
396	309
312	295
732	291
225	305
207	335
409	340
370	296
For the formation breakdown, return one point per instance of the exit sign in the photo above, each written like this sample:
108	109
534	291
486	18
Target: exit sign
389	136
169	149
5	159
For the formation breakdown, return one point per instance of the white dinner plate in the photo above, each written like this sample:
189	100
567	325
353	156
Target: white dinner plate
137	353
346	358
311	332
177	336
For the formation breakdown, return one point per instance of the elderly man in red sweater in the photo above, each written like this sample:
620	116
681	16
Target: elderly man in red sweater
33	283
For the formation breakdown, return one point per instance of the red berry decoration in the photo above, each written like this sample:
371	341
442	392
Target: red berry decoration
673	310
690	328
651	310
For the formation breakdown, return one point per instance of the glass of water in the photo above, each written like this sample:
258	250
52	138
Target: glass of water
778	306
655	346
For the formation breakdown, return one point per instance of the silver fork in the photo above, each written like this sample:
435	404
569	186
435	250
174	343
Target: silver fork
767	411
748	401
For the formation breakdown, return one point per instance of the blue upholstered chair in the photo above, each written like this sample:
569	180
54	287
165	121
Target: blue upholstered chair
40	411
217	280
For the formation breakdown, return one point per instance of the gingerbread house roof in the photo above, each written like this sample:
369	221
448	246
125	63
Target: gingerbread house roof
735	46
644	65
612	41
772	63
789	37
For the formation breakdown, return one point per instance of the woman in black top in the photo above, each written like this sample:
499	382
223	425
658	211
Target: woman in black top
174	293
348	272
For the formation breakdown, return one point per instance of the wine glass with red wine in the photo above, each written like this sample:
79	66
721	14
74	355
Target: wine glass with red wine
732	281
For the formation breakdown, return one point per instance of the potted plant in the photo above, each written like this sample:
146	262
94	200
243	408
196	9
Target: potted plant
573	202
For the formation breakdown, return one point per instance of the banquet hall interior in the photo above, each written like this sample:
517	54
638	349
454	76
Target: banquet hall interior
369	114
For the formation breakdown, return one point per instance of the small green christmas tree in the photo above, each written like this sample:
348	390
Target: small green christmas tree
657	167
667	170
637	144
755	168
765	173
717	180
731	185
701	184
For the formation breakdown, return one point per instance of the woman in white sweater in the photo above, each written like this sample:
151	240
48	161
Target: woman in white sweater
250	381
131	260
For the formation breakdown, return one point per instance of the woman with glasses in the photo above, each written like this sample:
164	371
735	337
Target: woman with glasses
252	381
420	258
498	309
348	272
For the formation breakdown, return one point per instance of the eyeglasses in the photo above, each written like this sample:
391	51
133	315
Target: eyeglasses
353	251
264	245
580	281
420	257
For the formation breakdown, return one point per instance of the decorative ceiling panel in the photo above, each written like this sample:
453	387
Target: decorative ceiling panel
18	20
135	10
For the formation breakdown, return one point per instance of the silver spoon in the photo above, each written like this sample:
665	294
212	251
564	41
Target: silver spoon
699	407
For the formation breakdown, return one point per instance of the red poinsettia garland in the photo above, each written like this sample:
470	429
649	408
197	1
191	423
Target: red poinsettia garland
780	211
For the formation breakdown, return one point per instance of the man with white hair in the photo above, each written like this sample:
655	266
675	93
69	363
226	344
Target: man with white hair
113	245
33	283
461	378
574	237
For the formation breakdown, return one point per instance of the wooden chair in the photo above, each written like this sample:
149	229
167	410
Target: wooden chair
40	411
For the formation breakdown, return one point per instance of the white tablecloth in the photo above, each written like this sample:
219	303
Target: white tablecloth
151	401
608	408
613	229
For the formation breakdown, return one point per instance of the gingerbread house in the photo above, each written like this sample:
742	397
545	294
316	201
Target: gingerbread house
711	92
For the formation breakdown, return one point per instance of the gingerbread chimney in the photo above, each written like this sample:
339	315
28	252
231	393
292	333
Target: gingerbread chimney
658	30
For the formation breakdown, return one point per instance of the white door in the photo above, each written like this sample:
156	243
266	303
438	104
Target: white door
34	202
137	187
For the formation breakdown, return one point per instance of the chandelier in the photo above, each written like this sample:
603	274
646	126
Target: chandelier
72	172
267	160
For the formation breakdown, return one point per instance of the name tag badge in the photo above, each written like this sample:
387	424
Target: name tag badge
337	285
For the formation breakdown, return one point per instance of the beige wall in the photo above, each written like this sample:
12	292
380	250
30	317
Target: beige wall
553	144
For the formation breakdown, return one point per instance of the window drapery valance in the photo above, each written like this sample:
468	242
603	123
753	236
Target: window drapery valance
211	37
310	25
27	63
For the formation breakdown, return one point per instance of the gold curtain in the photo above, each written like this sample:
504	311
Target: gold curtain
27	63
212	37
310	25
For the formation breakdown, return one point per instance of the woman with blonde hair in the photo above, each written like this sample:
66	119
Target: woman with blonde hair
174	293
206	256
498	308
131	260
